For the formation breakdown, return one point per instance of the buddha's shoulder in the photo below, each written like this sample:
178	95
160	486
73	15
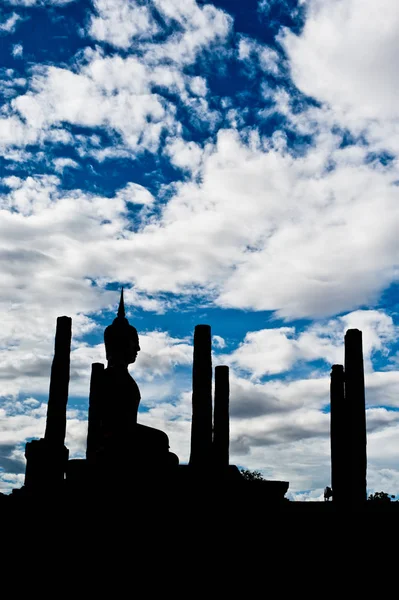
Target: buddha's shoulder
116	377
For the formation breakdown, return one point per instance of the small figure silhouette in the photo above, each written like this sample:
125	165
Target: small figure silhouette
328	494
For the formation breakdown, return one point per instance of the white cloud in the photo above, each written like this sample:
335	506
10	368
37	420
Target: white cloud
218	341
9	481
10	83
111	92
76	437
252	53
257	217
278	428
277	350
201	28
266	351
89	99
346	57
61	163
198	86
17	50
119	22
185	155
123	24
136	194
9	25
13	132
257	220
160	353
27	344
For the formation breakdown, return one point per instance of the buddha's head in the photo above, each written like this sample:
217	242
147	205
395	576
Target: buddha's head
121	339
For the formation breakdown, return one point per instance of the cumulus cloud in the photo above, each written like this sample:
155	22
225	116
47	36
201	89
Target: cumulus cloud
189	28
119	22
185	155
124	96
278	350
266	351
202	28
257	220
346	57
259	215
89	99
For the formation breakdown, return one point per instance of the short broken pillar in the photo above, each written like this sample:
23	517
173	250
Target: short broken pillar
94	421
339	437
221	430
356	407
47	458
45	465
201	425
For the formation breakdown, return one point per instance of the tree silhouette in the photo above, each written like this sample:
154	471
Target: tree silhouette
251	475
381	497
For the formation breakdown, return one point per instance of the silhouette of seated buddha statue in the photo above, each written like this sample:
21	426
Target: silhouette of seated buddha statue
122	441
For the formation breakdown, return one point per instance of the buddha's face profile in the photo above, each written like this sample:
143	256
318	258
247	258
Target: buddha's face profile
134	349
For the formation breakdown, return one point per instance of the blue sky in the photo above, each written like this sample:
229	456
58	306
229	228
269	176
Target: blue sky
230	163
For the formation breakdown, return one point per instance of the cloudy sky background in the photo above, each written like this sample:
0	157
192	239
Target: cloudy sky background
231	163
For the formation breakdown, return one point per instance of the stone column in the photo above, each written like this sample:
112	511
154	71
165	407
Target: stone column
93	431
356	406
201	425
59	383
46	458
221	429
339	438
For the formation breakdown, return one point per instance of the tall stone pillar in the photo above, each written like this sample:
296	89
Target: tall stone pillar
46	458
221	430
93	430
356	406
339	437
201	425
59	383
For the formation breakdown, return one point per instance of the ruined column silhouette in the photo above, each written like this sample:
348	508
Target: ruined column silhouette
46	458
339	438
201	425
221	432
93	430
356	407
59	383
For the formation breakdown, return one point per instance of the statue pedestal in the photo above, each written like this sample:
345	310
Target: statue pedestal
45	464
